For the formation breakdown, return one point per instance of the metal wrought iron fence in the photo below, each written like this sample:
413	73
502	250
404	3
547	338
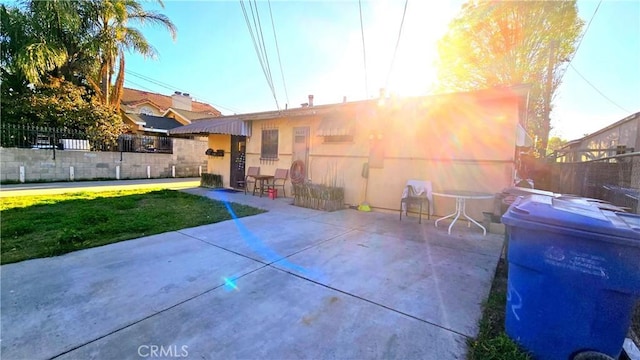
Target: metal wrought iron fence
38	137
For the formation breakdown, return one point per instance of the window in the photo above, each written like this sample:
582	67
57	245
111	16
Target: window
338	139
145	110
269	144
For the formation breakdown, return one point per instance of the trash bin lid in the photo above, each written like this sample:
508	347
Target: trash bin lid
573	214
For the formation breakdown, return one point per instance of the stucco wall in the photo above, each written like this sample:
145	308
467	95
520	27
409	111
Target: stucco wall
40	165
457	143
220	165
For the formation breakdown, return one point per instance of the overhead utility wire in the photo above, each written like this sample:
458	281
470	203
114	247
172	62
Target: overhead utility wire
599	92
364	53
253	39
258	26
173	88
265	54
258	45
582	37
395	51
284	84
139	85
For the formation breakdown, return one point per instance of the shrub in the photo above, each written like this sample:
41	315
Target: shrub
211	180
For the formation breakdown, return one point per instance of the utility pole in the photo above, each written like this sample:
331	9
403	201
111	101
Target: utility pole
546	122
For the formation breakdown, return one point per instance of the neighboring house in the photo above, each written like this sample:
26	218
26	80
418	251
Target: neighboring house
462	141
621	136
144	110
150	124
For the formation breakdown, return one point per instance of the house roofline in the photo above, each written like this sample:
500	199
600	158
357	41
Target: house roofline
519	91
631	117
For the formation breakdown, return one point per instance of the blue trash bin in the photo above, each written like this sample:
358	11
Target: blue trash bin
574	276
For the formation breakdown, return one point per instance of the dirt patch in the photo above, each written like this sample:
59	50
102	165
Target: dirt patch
635	325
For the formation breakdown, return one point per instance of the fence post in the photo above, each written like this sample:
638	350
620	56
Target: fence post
117	172
173	171
71	173
200	170
22	174
148	172
54	137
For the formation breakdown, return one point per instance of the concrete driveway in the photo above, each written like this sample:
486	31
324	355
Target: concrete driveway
289	283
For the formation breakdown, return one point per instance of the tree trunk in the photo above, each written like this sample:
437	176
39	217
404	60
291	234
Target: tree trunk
104	82
117	87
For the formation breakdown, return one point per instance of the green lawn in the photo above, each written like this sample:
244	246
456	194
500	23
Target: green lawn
48	225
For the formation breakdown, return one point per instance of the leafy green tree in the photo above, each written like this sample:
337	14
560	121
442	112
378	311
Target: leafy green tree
84	41
60	103
42	39
555	143
504	43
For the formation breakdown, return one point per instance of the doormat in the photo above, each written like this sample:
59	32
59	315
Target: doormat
227	190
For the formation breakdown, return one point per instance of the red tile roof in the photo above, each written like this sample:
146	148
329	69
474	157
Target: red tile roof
132	97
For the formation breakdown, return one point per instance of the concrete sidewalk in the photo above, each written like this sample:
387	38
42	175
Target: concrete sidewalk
49	188
289	283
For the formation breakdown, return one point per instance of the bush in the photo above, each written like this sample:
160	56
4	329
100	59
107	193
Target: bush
211	180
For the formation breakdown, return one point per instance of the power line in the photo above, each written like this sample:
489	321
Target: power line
364	53
174	88
138	85
586	29
582	37
596	89
258	44
395	51
266	55
284	84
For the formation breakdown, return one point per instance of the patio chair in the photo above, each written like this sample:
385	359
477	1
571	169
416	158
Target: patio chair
279	180
249	178
416	193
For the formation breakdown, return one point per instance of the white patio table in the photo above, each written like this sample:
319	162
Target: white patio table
461	197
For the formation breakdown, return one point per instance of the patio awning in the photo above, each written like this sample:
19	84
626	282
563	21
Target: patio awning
335	126
213	126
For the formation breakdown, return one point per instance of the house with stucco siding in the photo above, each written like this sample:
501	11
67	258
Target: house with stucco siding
461	141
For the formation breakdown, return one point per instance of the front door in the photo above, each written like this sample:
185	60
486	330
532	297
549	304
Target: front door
301	148
238	150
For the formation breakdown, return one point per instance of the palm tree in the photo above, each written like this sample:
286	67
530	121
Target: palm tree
112	37
81	41
32	40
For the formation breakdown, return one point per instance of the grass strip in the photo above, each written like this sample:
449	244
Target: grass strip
492	343
49	225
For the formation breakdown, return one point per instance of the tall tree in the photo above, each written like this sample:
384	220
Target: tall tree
30	41
502	43
112	37
555	143
84	41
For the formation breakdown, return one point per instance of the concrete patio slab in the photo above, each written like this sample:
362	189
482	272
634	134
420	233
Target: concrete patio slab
54	304
274	315
289	283
461	238
436	284
267	238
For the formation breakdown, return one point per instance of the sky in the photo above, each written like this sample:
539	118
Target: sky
318	49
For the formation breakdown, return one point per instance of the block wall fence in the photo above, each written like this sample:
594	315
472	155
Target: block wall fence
34	165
